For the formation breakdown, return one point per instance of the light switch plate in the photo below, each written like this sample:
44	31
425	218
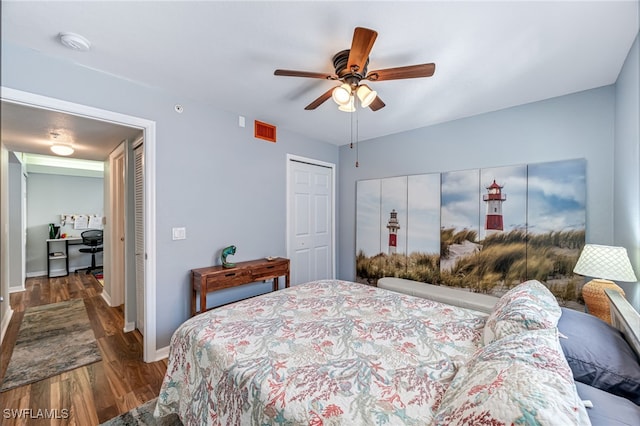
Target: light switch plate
179	233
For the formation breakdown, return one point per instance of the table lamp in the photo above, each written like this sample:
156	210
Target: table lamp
603	263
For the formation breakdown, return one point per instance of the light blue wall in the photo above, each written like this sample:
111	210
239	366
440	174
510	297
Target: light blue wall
580	125
627	166
213	177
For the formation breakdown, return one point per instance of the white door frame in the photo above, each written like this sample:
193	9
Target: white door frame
7	94
332	167
23	226
116	213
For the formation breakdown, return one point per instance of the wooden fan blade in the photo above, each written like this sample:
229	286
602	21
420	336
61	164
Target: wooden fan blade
361	45
308	74
376	104
410	71
320	100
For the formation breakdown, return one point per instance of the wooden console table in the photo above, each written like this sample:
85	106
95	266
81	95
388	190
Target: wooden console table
213	278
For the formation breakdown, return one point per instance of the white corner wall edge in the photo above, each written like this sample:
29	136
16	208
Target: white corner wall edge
5	323
150	353
106	297
129	326
162	353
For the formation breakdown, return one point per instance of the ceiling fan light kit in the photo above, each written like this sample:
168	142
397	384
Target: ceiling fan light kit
366	95
349	106
342	94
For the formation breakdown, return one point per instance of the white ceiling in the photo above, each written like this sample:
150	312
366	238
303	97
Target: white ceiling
28	129
488	55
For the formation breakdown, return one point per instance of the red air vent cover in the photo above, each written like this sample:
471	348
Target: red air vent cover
264	131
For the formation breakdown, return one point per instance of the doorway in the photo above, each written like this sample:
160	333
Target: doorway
310	219
148	129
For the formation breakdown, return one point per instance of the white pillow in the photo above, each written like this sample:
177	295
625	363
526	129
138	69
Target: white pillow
527	306
520	379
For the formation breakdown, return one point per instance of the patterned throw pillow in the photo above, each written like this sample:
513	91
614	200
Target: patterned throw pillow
520	379
527	306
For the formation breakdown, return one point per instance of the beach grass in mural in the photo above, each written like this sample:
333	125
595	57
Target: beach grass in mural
384	249
484	230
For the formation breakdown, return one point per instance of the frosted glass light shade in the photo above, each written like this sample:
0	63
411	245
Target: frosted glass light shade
366	95
349	106
342	94
61	149
606	262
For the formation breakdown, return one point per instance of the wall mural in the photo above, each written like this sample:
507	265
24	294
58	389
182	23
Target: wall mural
484	230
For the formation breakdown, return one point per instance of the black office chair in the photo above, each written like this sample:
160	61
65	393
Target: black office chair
93	239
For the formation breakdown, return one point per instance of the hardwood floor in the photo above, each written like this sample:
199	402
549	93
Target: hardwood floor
91	394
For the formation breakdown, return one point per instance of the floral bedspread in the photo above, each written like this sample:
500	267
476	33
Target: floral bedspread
323	353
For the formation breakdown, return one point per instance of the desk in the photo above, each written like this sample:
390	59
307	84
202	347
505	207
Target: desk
215	278
55	255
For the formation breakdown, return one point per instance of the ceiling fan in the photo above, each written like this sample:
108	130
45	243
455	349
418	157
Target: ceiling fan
351	68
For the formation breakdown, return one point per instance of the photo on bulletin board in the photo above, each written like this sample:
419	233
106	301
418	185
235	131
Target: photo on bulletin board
81	222
95	222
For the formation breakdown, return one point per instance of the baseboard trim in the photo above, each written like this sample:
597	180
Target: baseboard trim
72	269
162	353
106	298
129	326
5	323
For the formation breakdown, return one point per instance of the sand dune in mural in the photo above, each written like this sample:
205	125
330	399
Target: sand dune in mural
457	251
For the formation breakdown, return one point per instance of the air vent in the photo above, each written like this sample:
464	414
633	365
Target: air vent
264	131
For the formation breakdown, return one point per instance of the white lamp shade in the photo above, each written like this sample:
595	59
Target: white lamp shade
366	95
605	262
349	106
342	94
61	149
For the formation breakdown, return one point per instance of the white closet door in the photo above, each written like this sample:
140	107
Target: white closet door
311	222
138	154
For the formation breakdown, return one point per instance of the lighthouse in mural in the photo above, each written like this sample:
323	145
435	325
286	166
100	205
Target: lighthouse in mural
494	199
393	227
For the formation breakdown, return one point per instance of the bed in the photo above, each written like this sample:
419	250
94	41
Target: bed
335	352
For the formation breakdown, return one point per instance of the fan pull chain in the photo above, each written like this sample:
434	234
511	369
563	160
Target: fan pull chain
351	130
357	136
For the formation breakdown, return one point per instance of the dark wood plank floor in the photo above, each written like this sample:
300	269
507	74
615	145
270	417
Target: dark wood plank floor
91	394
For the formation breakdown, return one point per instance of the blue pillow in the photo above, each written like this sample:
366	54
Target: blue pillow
599	355
608	409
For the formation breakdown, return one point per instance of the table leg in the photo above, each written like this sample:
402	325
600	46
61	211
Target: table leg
193	301
286	280
203	297
276	285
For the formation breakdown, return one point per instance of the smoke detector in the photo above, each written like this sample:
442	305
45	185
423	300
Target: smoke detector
75	41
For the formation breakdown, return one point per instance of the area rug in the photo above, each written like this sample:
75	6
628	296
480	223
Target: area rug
143	416
52	339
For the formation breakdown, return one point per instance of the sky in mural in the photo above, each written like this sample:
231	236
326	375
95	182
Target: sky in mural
557	196
551	194
368	217
423	214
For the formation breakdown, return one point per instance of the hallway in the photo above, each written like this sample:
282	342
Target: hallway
91	394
